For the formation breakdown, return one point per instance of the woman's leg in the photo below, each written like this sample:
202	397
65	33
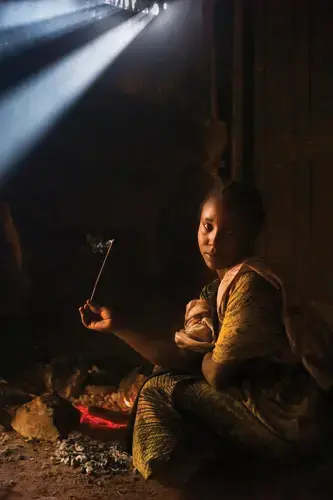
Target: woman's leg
178	422
164	445
157	426
225	414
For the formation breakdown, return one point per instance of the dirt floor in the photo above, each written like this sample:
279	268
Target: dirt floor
27	472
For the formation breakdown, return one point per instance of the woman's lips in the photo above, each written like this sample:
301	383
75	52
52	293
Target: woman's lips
210	256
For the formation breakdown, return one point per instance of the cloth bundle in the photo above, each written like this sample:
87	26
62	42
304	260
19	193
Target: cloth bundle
198	332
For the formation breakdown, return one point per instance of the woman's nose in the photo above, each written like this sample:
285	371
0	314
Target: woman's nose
212	238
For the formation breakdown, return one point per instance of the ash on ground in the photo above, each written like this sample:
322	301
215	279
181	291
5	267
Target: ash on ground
92	457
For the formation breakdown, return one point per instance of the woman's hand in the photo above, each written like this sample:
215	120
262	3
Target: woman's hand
96	318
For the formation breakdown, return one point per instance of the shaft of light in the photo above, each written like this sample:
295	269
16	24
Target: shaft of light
135	5
30	110
14	14
24	36
155	9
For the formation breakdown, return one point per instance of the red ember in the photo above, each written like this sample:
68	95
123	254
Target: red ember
94	421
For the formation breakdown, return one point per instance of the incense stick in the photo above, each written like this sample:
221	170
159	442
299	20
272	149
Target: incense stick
101	270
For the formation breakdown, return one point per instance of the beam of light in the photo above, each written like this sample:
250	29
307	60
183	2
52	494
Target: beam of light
25	36
30	110
123	4
143	6
155	10
13	14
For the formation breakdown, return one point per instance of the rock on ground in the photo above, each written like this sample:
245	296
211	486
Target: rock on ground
48	417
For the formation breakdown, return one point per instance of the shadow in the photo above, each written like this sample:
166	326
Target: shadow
239	478
104	434
9	494
15	69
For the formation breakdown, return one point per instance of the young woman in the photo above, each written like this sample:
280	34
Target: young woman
240	372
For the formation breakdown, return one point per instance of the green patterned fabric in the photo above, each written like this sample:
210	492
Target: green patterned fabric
209	291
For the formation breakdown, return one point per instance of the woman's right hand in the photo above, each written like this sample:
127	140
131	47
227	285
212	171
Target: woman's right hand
96	318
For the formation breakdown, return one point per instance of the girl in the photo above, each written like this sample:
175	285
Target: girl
245	369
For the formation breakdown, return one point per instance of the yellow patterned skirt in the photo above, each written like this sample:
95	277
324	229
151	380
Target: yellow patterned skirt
180	421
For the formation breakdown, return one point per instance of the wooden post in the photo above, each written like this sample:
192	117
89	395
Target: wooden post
214	91
210	54
237	94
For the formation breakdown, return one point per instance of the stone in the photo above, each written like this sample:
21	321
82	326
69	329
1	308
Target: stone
64	378
48	418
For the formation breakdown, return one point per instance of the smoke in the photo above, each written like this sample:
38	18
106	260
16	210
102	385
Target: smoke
97	245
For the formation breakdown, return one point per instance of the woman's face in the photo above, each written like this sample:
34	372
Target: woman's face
219	236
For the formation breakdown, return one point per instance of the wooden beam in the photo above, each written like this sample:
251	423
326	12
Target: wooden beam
208	7
238	92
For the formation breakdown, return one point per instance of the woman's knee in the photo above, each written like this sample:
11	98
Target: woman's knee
160	384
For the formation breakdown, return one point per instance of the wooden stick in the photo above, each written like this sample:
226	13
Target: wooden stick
101	270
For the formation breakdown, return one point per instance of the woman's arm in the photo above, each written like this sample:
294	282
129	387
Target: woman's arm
218	375
251	329
160	351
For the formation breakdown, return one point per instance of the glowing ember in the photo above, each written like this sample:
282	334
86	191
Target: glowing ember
94	421
127	403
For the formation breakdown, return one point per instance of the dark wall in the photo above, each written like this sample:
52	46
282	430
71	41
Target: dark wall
125	162
293	123
223	38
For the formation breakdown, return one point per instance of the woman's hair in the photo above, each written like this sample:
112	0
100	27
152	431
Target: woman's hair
243	200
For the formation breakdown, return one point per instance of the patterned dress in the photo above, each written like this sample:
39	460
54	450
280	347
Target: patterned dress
272	406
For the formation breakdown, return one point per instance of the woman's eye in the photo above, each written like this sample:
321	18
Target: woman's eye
206	226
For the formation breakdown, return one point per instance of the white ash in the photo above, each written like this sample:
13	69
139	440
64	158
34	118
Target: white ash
92	457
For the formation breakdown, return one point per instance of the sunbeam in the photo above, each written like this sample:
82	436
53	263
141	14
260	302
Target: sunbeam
30	110
13	14
11	41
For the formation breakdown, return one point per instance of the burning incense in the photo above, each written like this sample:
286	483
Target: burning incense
110	244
